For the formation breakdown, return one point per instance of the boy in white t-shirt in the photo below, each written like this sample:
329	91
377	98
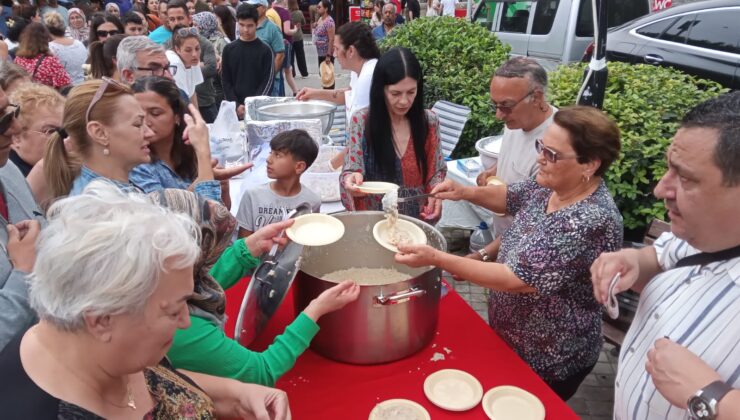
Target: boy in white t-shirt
292	153
186	57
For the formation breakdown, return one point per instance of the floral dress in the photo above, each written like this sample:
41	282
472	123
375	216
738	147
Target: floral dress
408	176
321	36
50	72
556	329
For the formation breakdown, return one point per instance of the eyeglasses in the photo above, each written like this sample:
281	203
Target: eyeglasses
158	70
107	81
7	119
508	107
187	31
550	154
106	34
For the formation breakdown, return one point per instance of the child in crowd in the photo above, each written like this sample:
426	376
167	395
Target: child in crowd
292	153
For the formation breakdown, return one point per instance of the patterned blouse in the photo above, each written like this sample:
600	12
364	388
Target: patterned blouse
175	396
557	329
321	36
51	71
408	175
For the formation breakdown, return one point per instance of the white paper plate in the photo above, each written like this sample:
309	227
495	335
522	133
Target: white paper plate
399	409
494	180
376	187
380	233
510	402
315	229
453	390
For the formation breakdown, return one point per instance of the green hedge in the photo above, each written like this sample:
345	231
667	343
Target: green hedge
647	102
459	59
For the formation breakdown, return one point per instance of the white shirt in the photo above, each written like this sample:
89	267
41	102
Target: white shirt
186	79
358	96
698	308
448	7
517	161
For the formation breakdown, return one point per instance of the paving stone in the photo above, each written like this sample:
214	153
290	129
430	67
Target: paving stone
596	393
603	368
600	408
578	405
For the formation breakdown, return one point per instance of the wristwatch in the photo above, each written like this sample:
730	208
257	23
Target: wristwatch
703	404
484	255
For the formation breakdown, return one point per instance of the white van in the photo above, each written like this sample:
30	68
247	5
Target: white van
555	31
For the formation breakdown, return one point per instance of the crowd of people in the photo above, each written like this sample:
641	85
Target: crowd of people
120	241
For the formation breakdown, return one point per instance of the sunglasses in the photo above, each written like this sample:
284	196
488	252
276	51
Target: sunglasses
106	34
107	81
508	107
550	154
187	31
159	71
7	119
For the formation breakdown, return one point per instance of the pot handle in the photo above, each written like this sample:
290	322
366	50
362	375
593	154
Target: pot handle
399	297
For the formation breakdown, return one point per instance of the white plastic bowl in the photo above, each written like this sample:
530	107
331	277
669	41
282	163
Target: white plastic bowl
488	148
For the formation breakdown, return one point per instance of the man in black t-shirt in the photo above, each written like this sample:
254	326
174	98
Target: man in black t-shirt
248	63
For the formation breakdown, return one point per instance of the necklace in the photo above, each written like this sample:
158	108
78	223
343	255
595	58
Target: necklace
131	403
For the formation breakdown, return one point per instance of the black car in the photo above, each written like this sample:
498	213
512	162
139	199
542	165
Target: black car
702	39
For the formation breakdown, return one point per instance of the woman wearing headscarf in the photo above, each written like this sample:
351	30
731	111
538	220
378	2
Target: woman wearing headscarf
203	347
207	24
78	28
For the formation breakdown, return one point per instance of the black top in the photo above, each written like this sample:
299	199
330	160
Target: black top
21	398
24	166
247	69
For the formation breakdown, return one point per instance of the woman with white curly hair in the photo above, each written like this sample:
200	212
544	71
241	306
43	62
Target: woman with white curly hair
111	282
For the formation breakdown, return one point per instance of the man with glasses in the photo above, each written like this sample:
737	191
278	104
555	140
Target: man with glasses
139	56
518	90
20	217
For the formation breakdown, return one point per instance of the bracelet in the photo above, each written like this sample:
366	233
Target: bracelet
484	255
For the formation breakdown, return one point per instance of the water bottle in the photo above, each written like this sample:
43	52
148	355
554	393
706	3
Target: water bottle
481	237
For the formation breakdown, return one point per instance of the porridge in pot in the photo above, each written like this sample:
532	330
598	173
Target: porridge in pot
367	276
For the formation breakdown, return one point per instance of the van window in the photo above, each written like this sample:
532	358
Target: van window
515	16
618	12
716	31
655	30
485	14
544	16
679	30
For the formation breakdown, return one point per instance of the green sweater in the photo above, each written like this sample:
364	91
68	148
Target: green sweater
203	347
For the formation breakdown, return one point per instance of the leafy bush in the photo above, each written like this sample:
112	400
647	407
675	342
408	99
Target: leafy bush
647	102
458	59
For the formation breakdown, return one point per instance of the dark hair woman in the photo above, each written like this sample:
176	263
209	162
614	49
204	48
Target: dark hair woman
34	56
323	32
541	299
174	164
103	57
395	140
104	26
227	20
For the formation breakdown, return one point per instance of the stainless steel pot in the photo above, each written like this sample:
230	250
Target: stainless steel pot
387	322
300	110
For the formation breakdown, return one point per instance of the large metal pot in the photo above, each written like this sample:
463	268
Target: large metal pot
387	322
300	110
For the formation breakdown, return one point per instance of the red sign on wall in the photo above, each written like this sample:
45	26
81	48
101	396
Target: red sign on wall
355	13
661	4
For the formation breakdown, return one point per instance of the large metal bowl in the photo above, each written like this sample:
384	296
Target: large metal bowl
300	110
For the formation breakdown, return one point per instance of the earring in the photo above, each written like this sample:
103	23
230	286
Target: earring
586	178
106	151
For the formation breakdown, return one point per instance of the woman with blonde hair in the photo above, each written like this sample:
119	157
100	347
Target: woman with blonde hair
71	52
35	57
107	132
41	116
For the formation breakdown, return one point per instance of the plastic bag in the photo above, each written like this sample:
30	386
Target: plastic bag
228	141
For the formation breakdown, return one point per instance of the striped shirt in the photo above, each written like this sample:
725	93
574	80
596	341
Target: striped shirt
698	308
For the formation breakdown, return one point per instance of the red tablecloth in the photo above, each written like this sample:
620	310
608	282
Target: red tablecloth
321	389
